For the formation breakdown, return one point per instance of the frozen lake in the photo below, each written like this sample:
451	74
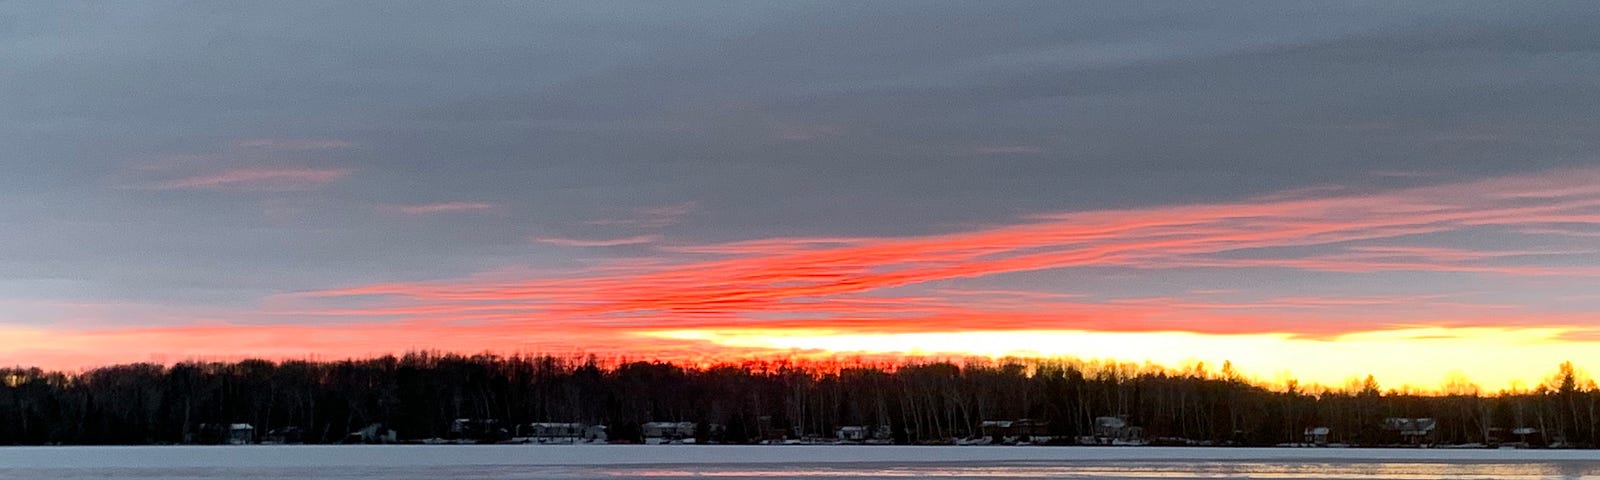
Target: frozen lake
810	462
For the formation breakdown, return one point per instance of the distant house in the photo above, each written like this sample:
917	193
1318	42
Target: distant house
241	434
285	436
1412	430
1317	436
864	434
657	433
769	433
224	434
563	433
596	434
851	433
373	434
1527	436
1116	431
478	430
1013	431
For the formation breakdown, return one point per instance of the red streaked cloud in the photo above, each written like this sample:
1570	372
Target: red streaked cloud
927	284
829	279
443	207
251	179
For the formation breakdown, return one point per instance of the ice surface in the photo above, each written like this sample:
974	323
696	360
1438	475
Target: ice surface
591	455
461	462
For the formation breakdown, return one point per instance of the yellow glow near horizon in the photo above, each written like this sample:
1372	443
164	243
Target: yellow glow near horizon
1421	359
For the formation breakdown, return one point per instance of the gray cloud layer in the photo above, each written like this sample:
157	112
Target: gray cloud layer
170	152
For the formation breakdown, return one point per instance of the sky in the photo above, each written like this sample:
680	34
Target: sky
1318	191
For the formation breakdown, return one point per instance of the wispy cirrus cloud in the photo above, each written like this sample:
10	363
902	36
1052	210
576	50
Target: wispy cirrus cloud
1401	174
1007	150
442	207
648	217
294	144
251	179
599	242
795	132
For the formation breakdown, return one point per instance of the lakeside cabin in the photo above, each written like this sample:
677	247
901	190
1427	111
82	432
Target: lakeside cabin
1115	431
480	430
1414	431
1317	436
659	433
864	434
562	433
285	436
1015	431
224	434
373	434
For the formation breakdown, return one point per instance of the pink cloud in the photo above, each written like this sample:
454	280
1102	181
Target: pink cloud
444	207
250	179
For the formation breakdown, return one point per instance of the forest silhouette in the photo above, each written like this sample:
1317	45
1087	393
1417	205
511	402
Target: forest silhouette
422	395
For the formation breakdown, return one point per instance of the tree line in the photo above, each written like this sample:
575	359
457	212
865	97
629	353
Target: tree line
419	395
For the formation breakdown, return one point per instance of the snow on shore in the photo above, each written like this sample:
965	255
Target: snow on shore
318	456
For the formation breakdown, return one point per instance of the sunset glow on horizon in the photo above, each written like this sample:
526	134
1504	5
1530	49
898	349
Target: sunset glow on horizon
916	296
1392	357
1400	191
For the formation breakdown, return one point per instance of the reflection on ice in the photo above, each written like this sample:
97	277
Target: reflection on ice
1155	470
729	462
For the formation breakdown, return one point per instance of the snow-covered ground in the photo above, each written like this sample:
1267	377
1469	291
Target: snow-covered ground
460	462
